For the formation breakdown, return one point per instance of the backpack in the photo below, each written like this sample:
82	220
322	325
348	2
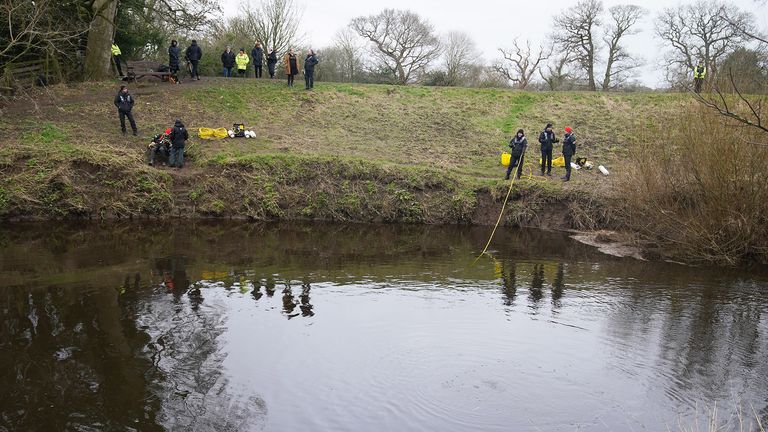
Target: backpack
239	130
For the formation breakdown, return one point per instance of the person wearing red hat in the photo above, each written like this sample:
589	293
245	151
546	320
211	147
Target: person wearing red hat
160	145
569	149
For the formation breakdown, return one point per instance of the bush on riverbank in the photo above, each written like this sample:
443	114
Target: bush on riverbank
697	189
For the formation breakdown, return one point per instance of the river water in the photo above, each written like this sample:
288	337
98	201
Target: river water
314	327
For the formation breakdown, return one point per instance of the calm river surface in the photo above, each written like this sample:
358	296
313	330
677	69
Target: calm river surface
243	327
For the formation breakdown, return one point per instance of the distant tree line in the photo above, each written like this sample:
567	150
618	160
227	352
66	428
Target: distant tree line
586	49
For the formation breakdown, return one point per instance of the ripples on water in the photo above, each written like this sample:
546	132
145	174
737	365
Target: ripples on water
326	327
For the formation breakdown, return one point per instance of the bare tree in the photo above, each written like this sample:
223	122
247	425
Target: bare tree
700	32
403	41
275	23
576	34
557	73
521	63
35	27
100	34
619	63
728	96
459	55
350	51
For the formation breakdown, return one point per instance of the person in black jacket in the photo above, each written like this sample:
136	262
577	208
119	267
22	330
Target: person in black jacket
309	70
159	146
271	62
124	103
193	55
178	137
257	56
173	57
228	61
546	139
569	149
518	144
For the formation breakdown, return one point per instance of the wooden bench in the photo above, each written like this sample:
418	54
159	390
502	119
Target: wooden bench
20	75
140	69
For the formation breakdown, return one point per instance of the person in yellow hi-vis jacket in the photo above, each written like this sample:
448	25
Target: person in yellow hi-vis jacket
699	72
116	56
242	62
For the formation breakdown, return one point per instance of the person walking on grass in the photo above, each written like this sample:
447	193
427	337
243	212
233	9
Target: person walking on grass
193	55
292	66
569	149
178	137
547	139
271	62
309	70
518	144
124	103
242	63
117	57
257	56
227	62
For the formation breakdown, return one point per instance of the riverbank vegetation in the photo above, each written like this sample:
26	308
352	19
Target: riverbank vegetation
382	153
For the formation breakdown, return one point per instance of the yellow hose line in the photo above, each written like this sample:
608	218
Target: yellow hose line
501	213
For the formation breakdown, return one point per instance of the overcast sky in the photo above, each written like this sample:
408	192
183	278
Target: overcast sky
491	23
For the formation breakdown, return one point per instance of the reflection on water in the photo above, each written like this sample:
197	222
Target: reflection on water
339	327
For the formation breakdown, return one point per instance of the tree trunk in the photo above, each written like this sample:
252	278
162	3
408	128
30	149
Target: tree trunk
98	51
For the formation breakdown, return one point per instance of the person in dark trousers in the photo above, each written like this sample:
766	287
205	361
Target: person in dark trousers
173	57
569	149
309	70
292	66
699	73
193	55
271	62
124	103
117	57
227	62
547	139
257	56
160	145
178	137
518	144
242	63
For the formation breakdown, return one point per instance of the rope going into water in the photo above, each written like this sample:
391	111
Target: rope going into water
503	207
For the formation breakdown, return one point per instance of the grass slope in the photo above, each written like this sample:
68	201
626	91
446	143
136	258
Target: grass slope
342	152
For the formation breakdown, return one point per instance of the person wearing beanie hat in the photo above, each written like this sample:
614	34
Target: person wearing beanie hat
547	138
178	138
161	145
518	144
569	149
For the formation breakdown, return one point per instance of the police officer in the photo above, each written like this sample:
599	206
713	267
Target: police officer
699	72
546	139
569	149
518	144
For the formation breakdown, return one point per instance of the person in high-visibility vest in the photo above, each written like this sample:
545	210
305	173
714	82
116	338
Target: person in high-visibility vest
699	72
117	55
242	63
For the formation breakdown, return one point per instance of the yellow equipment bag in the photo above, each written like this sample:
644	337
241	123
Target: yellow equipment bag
557	162
505	157
208	133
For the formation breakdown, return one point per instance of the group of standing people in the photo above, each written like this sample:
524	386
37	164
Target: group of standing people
291	61
547	139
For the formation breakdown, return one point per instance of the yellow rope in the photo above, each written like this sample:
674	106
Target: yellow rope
503	206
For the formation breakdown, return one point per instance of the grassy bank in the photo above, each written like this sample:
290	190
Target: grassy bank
341	152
